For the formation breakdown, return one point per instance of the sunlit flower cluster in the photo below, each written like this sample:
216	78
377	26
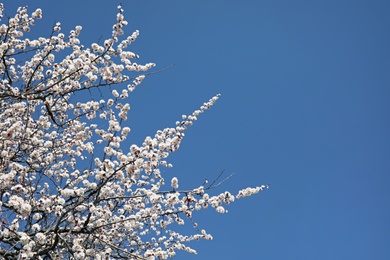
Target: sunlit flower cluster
71	186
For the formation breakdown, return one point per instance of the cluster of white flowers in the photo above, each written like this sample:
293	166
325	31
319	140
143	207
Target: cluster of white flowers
70	186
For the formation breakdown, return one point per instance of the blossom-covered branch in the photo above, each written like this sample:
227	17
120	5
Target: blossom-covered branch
70	185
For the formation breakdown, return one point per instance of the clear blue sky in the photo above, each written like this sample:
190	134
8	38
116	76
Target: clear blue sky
305	107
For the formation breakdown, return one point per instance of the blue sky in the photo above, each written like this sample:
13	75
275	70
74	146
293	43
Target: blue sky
305	107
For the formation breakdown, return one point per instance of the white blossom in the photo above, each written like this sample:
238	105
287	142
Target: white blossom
175	183
41	238
220	209
115	93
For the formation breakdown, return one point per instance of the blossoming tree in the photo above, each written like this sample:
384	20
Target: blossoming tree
69	186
